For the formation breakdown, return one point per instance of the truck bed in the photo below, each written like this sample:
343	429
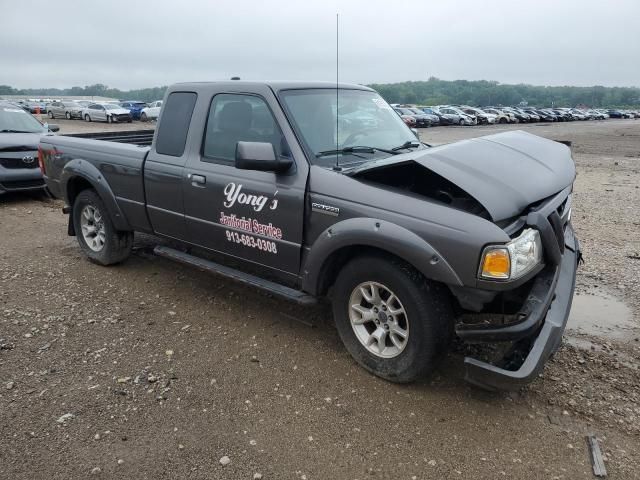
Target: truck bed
114	166
135	137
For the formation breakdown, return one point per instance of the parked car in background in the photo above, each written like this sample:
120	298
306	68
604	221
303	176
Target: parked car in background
110	113
134	107
460	118
520	115
482	117
409	120
433	118
533	115
20	135
151	112
614	113
442	119
422	119
544	115
501	117
64	108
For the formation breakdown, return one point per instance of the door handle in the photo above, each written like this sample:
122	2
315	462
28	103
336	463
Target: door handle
197	179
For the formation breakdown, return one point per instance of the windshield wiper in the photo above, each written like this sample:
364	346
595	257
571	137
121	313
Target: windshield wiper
355	149
405	145
8	130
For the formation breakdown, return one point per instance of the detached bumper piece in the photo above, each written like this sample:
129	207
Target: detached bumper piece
539	335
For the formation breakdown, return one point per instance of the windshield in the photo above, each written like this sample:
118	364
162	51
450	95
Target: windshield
364	119
14	119
112	107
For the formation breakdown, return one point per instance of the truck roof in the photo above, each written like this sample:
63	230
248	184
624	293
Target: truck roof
275	86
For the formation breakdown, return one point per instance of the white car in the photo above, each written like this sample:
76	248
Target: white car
152	112
107	112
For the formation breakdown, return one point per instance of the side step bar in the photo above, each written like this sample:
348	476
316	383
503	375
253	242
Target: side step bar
242	277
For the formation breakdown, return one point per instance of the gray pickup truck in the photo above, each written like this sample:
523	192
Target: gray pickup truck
309	190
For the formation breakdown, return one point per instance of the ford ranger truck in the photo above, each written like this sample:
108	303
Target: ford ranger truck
411	244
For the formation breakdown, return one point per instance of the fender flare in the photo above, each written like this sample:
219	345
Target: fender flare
86	170
380	234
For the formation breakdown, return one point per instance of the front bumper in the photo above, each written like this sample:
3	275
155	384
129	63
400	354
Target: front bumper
540	334
18	180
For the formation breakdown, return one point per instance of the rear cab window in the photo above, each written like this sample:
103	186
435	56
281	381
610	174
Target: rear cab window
174	127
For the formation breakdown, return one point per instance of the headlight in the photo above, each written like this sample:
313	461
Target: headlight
513	260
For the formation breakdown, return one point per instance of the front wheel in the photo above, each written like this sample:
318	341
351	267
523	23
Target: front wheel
67	116
109	119
87	118
51	114
394	322
96	234
461	122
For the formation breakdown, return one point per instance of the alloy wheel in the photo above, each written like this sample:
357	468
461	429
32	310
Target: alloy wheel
378	319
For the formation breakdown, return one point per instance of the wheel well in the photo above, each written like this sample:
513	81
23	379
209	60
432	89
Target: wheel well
334	263
75	186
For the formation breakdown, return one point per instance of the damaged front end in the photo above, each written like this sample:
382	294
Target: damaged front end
522	184
531	317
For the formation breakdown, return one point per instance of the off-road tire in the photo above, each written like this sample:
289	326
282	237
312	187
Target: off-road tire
117	245
428	309
51	114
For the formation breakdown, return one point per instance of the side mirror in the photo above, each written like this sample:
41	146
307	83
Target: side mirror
53	127
260	156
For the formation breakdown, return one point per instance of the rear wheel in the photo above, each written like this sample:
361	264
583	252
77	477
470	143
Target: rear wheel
143	117
394	322
97	237
503	120
461	122
67	116
109	119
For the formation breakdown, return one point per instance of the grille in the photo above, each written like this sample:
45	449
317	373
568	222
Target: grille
15	163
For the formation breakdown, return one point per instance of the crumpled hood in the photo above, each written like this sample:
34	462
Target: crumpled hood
505	172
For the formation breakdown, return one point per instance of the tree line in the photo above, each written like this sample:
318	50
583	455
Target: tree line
484	93
431	92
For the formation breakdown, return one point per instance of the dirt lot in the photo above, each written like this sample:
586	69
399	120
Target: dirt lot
152	370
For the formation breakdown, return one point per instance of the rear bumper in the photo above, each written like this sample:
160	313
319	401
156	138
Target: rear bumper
549	320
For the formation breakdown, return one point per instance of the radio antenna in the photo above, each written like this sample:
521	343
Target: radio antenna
337	166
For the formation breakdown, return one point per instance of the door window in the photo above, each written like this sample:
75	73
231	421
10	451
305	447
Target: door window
237	118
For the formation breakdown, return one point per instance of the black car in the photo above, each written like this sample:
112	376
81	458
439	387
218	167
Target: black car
20	134
615	114
542	116
442	119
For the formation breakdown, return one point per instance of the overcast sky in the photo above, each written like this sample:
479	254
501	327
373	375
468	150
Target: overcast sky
144	43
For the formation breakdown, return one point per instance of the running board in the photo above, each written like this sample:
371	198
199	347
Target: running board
237	275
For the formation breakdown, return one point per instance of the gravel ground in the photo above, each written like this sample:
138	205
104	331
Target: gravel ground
154	370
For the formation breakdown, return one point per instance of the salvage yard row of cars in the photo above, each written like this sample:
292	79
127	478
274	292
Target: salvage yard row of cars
109	111
421	116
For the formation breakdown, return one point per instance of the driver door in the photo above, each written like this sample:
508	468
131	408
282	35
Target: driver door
254	216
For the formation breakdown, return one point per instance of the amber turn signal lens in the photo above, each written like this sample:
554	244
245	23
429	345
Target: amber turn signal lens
496	264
